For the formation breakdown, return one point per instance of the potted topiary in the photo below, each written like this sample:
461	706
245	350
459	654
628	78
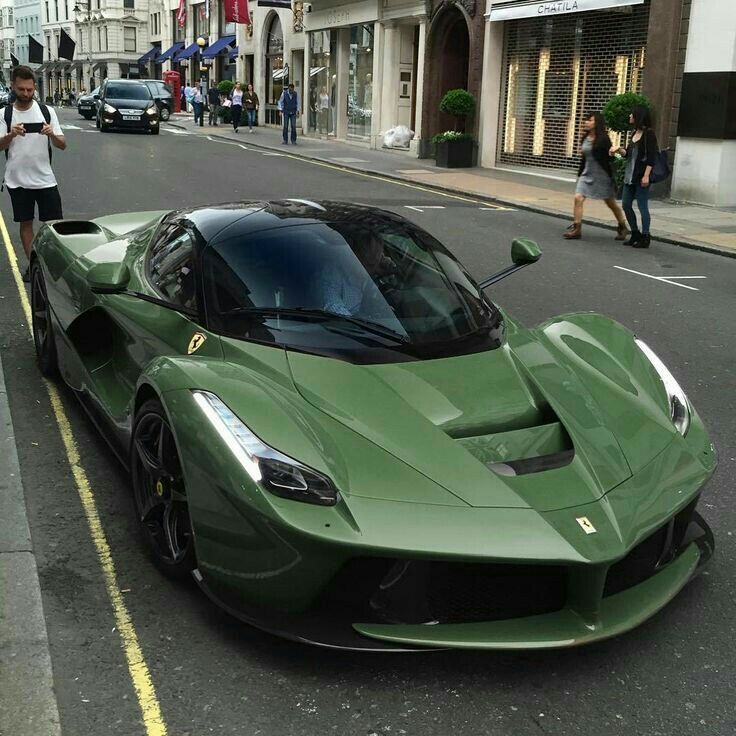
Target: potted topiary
616	113
455	148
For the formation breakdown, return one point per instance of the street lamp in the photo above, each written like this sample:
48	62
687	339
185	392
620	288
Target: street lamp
82	8
202	42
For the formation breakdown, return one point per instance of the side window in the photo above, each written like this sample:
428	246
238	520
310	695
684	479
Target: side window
171	267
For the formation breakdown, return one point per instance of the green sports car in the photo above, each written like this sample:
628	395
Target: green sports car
331	426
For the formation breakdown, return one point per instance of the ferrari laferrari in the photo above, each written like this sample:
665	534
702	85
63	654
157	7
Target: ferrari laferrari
335	430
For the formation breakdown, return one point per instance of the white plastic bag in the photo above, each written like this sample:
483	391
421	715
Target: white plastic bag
397	137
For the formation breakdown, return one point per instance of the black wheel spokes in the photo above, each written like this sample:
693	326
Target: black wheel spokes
40	312
160	489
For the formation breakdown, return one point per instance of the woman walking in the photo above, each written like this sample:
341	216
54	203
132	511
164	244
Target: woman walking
250	101
641	155
595	177
237	106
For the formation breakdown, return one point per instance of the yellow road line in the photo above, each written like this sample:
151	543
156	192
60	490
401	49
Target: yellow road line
137	667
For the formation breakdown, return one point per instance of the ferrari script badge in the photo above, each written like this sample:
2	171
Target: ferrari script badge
196	342
585	524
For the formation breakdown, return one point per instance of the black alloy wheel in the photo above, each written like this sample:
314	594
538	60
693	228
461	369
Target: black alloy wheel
160	495
43	331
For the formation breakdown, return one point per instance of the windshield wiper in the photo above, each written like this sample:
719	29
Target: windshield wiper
322	314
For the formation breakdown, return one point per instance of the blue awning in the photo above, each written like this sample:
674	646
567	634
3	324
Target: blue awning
220	45
234	54
150	54
188	52
178	46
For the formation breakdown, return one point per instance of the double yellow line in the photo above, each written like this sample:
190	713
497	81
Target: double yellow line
137	667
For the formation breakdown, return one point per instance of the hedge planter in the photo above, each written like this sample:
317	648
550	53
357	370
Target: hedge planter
454	154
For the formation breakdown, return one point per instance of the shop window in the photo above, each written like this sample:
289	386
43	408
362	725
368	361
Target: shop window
360	81
323	82
558	70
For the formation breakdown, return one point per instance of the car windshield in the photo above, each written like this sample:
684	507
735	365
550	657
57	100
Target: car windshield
128	92
345	288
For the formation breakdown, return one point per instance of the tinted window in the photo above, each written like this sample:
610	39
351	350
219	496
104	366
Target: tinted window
127	92
171	267
410	293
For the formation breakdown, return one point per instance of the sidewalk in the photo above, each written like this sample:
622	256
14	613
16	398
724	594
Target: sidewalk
691	226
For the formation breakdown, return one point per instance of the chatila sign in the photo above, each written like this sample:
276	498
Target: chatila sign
536	9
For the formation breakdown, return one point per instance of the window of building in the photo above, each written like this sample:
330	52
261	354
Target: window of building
10	16
66	9
178	30
48	46
130	4
201	22
56	9
129	38
47	11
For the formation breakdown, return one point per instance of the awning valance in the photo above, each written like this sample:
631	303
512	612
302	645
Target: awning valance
512	9
152	53
178	46
220	45
188	52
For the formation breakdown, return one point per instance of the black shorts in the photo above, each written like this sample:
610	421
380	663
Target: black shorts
25	200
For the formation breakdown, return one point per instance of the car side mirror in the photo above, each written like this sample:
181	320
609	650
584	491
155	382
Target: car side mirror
524	251
108	278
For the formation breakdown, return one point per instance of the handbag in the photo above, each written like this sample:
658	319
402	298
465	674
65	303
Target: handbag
661	169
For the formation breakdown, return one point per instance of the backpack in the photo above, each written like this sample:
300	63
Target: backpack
9	122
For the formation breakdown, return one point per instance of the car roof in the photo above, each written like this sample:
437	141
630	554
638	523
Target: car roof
216	223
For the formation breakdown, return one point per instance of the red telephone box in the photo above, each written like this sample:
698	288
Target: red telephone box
173	79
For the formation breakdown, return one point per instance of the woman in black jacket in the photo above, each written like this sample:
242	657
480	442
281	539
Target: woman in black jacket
595	178
641	155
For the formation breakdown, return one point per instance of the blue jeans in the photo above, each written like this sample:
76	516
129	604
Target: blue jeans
250	116
198	111
641	195
290	117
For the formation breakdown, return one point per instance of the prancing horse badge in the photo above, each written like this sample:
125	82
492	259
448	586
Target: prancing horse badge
196	342
585	524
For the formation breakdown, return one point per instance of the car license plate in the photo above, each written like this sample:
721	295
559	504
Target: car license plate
85	107
130	117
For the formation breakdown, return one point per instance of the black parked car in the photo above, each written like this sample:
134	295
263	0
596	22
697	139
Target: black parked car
127	103
87	104
163	95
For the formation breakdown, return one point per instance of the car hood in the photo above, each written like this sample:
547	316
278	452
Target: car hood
510	427
129	104
86	99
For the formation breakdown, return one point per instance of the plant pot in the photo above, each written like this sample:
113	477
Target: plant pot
454	154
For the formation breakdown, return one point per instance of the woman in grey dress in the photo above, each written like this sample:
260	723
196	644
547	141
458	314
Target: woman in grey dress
595	177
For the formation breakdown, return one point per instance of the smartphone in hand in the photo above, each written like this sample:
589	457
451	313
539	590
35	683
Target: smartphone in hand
33	127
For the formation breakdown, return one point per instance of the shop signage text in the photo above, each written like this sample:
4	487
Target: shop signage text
526	9
341	16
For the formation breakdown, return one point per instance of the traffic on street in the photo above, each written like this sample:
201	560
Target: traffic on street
498	500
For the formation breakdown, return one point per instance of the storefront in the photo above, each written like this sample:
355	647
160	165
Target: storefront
340	66
561	61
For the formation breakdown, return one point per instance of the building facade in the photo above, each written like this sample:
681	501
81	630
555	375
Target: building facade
7	38
27	19
55	74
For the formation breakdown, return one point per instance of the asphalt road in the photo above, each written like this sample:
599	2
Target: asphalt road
674	676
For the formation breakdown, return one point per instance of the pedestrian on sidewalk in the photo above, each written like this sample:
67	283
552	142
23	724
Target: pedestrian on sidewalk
213	97
237	107
198	105
188	94
289	106
595	177
250	102
641	155
30	129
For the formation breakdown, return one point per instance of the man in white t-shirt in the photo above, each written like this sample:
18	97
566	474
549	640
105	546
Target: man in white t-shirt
28	174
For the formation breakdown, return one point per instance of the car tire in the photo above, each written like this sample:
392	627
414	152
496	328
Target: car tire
42	324
159	492
87	117
104	128
154	131
165	114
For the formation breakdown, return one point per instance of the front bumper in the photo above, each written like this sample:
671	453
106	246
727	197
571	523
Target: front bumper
145	122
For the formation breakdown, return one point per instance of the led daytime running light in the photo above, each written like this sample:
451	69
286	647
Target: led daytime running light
679	406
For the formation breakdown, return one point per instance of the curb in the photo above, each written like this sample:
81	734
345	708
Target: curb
28	703
484	198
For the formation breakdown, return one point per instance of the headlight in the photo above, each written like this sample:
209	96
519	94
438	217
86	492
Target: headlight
153	110
679	406
272	470
109	108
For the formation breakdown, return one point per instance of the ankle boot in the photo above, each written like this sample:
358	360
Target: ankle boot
574	232
643	241
634	238
622	231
